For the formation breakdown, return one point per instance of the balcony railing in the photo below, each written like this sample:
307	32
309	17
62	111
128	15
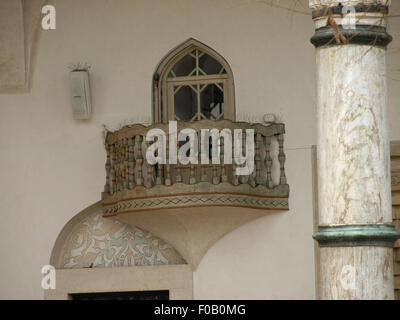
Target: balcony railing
133	184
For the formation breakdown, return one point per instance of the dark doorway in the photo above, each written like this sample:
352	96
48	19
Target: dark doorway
132	295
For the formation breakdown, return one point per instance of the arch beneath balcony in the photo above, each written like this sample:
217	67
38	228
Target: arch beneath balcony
96	254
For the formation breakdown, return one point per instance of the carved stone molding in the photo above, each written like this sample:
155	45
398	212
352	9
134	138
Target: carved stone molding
196	200
319	4
19	26
202	194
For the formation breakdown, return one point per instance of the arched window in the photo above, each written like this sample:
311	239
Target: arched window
191	83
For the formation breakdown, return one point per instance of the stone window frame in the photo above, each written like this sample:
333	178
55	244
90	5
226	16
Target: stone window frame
162	93
177	279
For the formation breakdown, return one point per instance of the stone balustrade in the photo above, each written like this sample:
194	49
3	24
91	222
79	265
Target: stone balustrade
134	184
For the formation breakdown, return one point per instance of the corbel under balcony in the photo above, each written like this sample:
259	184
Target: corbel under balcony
192	206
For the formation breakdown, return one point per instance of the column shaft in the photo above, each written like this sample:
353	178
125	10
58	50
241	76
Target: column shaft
355	233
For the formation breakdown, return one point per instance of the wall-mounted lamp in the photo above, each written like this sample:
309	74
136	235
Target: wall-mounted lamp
80	92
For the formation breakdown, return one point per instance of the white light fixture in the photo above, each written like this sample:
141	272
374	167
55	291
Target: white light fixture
80	93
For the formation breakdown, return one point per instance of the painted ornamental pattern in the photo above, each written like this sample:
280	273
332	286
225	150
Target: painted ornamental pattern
99	242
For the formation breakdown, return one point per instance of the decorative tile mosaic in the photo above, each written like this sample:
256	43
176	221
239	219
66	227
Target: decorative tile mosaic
100	242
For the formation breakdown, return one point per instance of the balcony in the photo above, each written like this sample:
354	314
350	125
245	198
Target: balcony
192	206
132	184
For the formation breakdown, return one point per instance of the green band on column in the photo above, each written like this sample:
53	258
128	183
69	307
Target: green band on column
381	235
361	34
342	10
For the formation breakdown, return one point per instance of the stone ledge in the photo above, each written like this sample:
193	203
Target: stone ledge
224	194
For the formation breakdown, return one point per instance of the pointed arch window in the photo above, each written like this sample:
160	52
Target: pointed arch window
193	83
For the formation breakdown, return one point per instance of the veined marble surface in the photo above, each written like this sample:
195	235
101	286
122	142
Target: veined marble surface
353	150
344	271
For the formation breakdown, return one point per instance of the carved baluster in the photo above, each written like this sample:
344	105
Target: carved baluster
192	177
113	188
115	165
268	161
243	178
121	165
124	164
235	179
160	177
108	168
178	174
203	166
168	180
282	158
131	160
149	168
204	176
192	173
215	178
257	159
252	180
214	167
118	165
112	171
224	177
139	160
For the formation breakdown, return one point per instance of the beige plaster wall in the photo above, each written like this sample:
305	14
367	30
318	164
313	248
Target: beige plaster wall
52	167
12	56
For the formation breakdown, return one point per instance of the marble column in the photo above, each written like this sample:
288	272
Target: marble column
355	233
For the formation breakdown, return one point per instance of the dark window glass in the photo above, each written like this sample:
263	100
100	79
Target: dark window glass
198	101
212	101
185	102
209	65
184	67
